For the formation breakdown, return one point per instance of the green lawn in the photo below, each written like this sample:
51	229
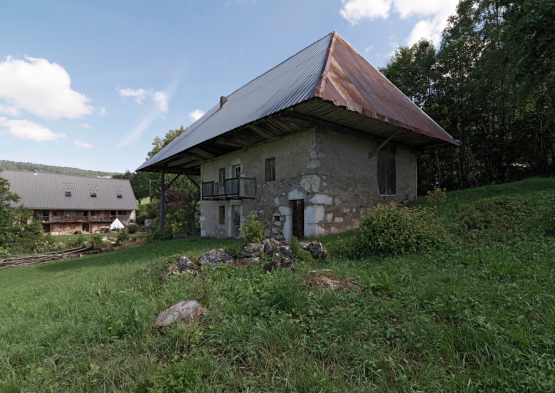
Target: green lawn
477	317
63	238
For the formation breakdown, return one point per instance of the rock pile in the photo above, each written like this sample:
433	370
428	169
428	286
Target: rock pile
216	257
183	265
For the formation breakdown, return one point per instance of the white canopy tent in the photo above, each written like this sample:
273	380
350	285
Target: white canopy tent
116	225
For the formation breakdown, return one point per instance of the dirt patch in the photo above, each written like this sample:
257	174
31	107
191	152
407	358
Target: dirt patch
323	279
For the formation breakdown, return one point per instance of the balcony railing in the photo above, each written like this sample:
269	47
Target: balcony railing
236	188
97	218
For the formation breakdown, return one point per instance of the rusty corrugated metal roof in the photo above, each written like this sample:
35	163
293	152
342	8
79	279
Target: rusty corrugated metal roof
331	70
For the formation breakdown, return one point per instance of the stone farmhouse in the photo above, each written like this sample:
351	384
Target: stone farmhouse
309	146
66	204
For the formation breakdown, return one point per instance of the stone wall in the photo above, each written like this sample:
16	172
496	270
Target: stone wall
330	171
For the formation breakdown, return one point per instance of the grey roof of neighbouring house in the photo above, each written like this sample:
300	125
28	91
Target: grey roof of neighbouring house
329	70
39	190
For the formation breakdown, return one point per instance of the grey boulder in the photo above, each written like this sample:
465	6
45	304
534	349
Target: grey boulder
188	312
183	265
215	258
280	262
252	250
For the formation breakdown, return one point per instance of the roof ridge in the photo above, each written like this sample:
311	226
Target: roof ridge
321	84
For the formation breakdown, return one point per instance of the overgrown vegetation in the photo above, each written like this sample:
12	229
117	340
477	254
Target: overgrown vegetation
477	316
27	166
252	230
490	85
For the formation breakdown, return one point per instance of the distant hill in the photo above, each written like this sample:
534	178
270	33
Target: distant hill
27	166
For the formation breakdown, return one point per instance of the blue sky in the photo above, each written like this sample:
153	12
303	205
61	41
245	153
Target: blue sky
90	84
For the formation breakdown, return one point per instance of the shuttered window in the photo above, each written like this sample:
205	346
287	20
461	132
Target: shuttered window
387	182
270	169
222	177
222	215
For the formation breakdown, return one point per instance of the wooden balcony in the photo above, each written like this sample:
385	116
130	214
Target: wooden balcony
236	188
69	219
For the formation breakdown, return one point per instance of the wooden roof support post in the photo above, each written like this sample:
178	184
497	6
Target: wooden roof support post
162	190
377	149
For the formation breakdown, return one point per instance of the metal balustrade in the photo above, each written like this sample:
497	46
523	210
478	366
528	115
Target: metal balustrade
235	188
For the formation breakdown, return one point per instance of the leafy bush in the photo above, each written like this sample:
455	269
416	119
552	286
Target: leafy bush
300	253
166	234
132	228
96	241
391	229
123	238
80	241
252	230
436	197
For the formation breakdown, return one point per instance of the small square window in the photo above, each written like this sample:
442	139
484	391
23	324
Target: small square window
277	218
93	213
68	193
120	196
45	213
113	213
222	215
93	194
85	213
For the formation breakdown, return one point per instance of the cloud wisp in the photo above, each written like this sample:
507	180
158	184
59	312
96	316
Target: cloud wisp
82	145
28	130
41	88
160	98
195	115
433	14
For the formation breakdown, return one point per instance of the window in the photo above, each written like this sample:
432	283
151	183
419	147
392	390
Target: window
222	177
113	213
270	169
119	196
68	193
45	213
93	194
85	213
222	215
386	171
55	213
121	213
93	213
237	171
277	218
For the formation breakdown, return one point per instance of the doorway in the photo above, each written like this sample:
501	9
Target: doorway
297	217
85	227
235	220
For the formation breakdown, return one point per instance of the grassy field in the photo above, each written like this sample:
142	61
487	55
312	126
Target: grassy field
475	317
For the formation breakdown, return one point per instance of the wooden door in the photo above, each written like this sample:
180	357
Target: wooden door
297	217
235	220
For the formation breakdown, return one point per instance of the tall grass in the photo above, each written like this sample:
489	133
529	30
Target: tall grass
476	317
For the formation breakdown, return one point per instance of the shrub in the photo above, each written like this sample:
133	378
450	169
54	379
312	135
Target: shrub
300	253
252	230
80	241
436	197
166	234
96	241
123	238
132	228
390	229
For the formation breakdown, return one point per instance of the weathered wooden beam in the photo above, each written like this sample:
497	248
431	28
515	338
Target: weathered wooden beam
174	179
162	191
192	181
381	145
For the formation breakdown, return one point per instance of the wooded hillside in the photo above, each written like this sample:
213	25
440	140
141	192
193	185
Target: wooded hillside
27	166
491	85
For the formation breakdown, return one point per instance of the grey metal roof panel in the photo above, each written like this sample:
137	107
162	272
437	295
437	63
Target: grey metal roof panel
46	191
289	83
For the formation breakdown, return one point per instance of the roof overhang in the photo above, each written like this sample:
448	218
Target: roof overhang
315	112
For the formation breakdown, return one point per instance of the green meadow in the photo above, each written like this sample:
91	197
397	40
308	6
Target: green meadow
477	315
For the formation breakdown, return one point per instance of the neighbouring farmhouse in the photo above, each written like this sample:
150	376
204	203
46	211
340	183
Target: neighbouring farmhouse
66	204
309	146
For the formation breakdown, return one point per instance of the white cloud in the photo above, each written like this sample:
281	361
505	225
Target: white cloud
195	115
161	98
86	125
83	145
158	97
40	87
139	94
102	112
438	12
9	110
368	49
25	129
